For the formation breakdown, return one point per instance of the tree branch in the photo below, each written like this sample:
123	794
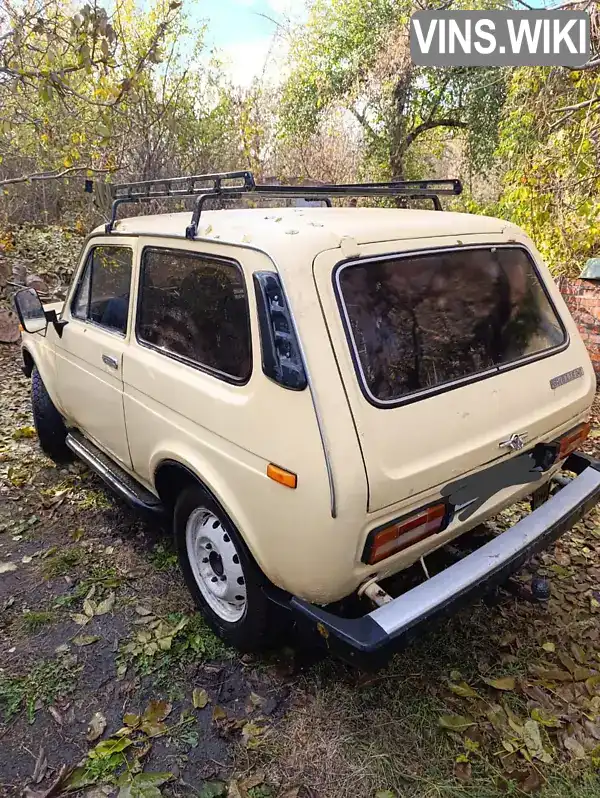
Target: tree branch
363	121
577	106
51	175
429	125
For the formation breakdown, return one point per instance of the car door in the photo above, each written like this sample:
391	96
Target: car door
89	355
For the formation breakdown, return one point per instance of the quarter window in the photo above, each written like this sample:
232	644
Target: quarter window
195	307
103	292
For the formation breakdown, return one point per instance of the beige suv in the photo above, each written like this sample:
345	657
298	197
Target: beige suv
319	398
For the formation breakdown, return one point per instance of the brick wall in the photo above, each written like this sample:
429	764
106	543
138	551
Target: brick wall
583	300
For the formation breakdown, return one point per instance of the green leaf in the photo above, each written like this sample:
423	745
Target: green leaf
79	778
144	785
131	720
549	647
200	698
455	723
109	747
23	432
463	690
503	683
544	718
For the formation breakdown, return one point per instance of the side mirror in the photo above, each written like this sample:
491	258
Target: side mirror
30	311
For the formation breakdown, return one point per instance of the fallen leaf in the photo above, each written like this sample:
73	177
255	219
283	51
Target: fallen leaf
250	734
106	748
567	661
143	610
105	606
85	640
503	683
26	559
80	619
549	647
455	723
89	608
212	789
256	778
532	738
545	718
153	717
578	653
574	747
200	698
41	766
463	690
55	788
218	713
96	727
7	567
23	432
131	720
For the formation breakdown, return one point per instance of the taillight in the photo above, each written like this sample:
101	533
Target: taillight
399	535
572	440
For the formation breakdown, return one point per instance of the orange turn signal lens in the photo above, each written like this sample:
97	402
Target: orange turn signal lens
282	476
572	440
400	535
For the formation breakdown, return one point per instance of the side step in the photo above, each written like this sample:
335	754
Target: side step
118	479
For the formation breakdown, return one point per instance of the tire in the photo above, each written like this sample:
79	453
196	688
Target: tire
50	427
213	559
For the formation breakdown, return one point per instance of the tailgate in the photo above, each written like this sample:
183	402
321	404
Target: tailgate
447	353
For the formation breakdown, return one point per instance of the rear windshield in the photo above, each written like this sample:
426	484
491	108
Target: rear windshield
418	322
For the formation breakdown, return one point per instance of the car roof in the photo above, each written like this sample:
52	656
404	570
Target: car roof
314	228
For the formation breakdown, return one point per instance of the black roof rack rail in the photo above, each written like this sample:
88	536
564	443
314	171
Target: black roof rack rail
231	185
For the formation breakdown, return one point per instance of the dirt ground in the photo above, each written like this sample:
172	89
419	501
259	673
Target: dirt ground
111	684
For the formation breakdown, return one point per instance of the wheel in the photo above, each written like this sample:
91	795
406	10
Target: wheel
220	573
50	427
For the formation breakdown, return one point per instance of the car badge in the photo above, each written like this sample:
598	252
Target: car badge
516	442
568	376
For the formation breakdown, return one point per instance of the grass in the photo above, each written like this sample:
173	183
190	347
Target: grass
62	563
163	558
34	620
45	682
193	642
350	734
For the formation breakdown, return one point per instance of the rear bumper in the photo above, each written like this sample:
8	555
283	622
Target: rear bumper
375	635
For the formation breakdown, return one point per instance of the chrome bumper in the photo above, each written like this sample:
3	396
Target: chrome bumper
389	625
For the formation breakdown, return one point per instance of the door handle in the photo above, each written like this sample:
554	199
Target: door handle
110	361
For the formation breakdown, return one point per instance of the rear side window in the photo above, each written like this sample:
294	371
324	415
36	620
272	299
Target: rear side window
102	295
195	307
419	322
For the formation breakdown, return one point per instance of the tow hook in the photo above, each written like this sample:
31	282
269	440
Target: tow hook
374	592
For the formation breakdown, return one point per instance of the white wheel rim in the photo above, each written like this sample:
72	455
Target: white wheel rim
216	565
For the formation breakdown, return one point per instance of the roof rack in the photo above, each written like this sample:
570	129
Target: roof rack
232	185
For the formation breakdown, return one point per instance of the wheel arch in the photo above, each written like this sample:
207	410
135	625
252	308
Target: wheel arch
171	476
28	361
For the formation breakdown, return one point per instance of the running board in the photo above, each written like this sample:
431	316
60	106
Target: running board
114	476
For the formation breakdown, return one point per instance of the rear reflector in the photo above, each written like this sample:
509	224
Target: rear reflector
400	535
572	440
277	474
